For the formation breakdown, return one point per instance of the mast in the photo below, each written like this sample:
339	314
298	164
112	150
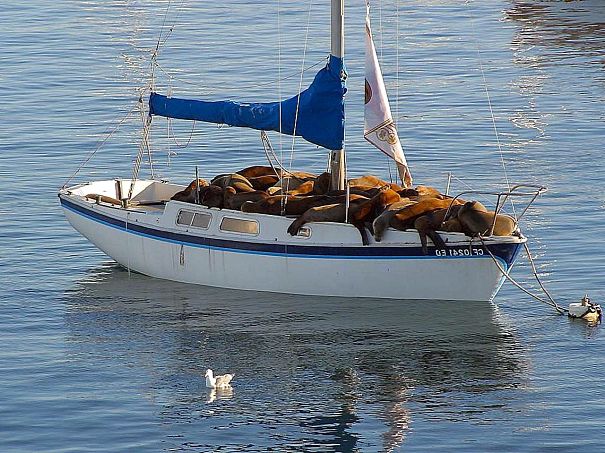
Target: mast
337	158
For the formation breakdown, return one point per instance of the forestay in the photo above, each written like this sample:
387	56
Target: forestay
316	114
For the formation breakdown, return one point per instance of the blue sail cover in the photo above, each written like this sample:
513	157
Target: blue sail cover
321	113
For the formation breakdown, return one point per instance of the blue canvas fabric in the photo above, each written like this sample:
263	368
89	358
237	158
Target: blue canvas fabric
321	113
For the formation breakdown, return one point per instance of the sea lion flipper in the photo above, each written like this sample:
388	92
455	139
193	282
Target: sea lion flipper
422	235
436	239
362	230
295	226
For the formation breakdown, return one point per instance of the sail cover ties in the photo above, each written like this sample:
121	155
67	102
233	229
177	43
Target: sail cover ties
379	127
320	118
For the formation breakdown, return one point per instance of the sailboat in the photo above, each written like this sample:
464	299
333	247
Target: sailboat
138	224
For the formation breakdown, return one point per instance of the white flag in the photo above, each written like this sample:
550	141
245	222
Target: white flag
379	127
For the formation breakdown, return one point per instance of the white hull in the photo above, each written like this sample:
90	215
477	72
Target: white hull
330	262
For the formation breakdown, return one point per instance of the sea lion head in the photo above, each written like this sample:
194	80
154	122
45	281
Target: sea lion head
322	184
472	206
211	196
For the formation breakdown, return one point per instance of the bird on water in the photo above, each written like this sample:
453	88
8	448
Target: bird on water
219	382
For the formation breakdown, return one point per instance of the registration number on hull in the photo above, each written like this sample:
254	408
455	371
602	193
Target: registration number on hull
473	251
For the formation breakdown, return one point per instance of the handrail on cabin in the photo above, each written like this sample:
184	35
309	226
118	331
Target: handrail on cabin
512	192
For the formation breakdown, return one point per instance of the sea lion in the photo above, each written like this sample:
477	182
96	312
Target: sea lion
237	181
367	180
285	204
188	194
263	182
452	226
303	189
427	190
382	222
370	209
404	219
257	171
290	182
234	200
408	193
428	224
302	175
331	213
321	185
475	220
212	196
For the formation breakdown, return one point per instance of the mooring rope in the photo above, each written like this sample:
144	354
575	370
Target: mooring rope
506	274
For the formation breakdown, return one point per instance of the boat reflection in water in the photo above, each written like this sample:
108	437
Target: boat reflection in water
310	373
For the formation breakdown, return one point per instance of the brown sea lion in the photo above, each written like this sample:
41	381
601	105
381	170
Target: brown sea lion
234	200
404	219
427	190
302	175
382	222
475	219
200	182
256	171
331	213
395	187
367	180
263	182
452	226
303	189
367	211
238	182
321	185
408	193
188	194
428	224
290	182
290	205
212	196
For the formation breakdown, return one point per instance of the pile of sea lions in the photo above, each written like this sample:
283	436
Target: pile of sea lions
373	204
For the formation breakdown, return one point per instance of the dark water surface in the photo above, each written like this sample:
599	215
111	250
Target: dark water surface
95	359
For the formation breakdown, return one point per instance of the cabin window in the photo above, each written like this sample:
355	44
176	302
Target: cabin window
184	218
304	232
239	225
201	220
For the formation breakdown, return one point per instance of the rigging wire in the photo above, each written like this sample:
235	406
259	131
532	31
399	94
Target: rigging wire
397	83
489	102
100	144
171	29
281	147
380	48
300	83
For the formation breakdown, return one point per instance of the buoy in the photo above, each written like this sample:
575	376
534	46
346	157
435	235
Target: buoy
587	310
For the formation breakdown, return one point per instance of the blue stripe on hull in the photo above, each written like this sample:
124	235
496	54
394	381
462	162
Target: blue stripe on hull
506	252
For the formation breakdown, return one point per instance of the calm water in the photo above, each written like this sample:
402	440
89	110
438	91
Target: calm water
95	359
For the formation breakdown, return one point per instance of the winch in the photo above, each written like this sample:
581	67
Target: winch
587	310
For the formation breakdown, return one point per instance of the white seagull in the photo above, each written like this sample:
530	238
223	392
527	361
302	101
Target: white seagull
219	382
